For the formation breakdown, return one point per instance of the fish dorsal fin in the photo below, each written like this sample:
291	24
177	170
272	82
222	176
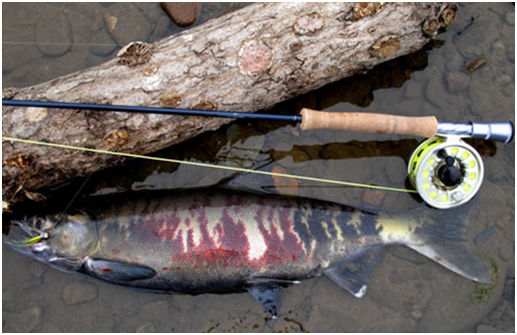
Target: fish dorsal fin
116	271
268	295
352	275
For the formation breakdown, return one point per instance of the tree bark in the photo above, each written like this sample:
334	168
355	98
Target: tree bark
246	61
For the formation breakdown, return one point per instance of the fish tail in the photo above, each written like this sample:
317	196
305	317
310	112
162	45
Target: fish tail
442	236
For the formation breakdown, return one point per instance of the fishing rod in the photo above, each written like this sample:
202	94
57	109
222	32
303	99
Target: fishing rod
312	119
445	170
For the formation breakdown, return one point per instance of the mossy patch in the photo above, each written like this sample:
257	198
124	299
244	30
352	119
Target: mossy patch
481	292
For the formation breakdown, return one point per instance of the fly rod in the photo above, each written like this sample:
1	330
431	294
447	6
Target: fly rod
444	169
426	126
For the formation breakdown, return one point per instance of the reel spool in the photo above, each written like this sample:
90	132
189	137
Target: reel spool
446	171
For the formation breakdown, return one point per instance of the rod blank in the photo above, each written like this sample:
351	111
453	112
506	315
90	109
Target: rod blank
155	110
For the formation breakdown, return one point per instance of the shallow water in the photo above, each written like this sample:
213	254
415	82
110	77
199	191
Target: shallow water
407	292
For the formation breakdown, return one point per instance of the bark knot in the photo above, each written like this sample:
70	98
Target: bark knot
20	160
308	24
116	138
170	100
254	57
364	9
135	53
205	105
385	46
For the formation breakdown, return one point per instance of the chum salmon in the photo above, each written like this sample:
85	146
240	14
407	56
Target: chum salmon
222	241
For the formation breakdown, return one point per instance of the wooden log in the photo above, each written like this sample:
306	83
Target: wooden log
246	61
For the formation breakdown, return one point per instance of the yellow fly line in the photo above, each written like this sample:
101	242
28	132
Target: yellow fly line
207	165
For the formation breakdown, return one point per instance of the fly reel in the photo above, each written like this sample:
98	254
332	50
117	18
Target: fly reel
446	171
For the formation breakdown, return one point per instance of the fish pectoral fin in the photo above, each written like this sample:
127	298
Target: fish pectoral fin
352	275
115	271
268	295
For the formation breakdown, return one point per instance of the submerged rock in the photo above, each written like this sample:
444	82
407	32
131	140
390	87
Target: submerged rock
78	293
53	33
182	13
126	23
25	321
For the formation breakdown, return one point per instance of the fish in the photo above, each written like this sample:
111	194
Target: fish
216	241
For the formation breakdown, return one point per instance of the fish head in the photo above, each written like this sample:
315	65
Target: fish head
63	241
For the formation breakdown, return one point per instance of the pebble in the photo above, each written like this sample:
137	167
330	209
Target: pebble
102	44
435	93
510	18
510	53
506	251
37	269
373	197
147	327
509	290
413	90
27	320
182	13
482	237
53	33
126	23
78	293
457	81
161	28
503	80
396	172
482	328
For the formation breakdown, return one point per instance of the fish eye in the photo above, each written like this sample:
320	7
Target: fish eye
39	223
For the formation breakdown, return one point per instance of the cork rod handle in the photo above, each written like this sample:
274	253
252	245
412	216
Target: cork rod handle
425	126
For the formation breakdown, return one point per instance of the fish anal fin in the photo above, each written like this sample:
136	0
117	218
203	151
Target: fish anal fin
268	296
352	275
116	271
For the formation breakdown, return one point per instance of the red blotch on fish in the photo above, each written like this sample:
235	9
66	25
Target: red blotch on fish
106	270
115	251
227	244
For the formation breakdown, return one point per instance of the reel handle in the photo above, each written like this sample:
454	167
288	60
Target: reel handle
425	126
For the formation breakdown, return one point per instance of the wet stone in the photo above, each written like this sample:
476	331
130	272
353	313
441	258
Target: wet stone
27	320
506	251
482	237
434	91
53	33
396	172
182	13
161	28
78	293
147	327
37	269
457	81
126	23
482	328
102	44
510	18
509	290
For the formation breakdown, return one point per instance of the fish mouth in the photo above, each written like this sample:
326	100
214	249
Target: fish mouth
20	235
